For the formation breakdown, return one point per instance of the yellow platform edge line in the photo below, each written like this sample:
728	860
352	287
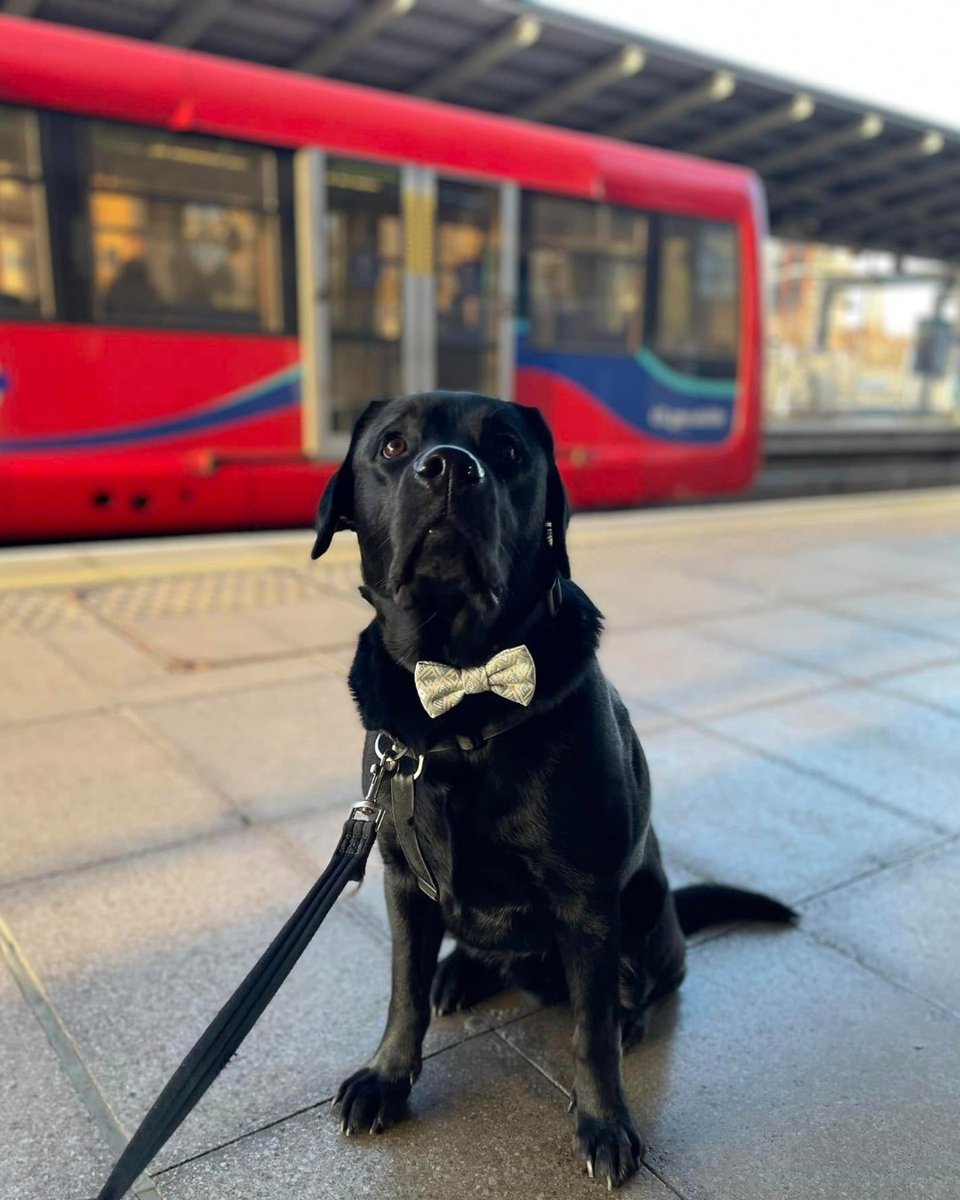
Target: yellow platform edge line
680	525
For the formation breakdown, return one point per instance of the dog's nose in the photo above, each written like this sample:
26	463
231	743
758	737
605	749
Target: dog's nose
448	466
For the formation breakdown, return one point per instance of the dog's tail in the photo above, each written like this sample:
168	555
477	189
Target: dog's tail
705	904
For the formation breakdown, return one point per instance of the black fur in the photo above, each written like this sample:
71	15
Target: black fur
540	841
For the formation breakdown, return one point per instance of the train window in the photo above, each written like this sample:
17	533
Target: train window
468	239
25	281
698	315
184	231
586	275
365	248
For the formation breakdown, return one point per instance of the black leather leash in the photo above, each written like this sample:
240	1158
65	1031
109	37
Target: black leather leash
240	1013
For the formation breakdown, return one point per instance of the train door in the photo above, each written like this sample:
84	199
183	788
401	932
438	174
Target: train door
406	282
475	271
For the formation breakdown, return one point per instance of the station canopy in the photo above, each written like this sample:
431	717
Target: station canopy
835	171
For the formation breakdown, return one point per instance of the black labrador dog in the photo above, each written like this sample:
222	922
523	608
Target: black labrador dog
531	823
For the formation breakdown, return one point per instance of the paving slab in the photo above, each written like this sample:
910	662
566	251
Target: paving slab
85	789
339	660
840	645
204	637
786	1070
106	659
686	674
884	560
794	576
182	683
50	1145
36	682
932	542
902	922
274	750
740	818
666	594
898	753
322	622
934	613
484	1123
939	686
138	957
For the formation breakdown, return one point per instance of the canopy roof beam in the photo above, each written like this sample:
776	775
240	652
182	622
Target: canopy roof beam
333	49
869	126
929	144
798	108
718	87
192	20
623	65
517	36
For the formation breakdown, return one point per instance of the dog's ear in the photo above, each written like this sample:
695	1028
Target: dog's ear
335	510
557	516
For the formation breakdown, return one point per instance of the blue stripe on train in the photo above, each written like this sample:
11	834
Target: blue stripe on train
268	395
645	392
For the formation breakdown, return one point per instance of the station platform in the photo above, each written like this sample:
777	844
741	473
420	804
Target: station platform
178	751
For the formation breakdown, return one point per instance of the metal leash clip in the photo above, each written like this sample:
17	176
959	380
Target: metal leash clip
387	765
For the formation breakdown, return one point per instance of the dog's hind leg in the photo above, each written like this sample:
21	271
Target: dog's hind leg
463	979
652	948
541	975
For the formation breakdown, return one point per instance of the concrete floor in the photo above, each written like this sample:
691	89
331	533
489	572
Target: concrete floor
178	752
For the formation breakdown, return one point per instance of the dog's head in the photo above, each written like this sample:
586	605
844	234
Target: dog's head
460	514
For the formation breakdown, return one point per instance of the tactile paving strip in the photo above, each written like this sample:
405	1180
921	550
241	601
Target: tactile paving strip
219	591
41	611
223	591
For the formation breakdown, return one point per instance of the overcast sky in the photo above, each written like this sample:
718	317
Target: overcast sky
903	56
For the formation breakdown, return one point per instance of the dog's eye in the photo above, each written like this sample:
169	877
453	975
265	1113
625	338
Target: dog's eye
394	446
509	451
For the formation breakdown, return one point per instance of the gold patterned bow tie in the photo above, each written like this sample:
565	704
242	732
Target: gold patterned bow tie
510	674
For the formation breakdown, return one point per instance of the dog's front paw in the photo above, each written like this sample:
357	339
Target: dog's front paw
369	1103
610	1150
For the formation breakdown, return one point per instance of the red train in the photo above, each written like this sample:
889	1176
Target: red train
207	268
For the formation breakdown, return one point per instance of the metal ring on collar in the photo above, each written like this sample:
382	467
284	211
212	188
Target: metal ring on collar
396	752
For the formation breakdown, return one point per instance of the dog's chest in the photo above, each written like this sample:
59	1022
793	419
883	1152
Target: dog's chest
488	863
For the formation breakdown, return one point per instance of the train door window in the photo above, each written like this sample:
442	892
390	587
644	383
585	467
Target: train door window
25	279
586	275
698	313
467	286
184	231
365	248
